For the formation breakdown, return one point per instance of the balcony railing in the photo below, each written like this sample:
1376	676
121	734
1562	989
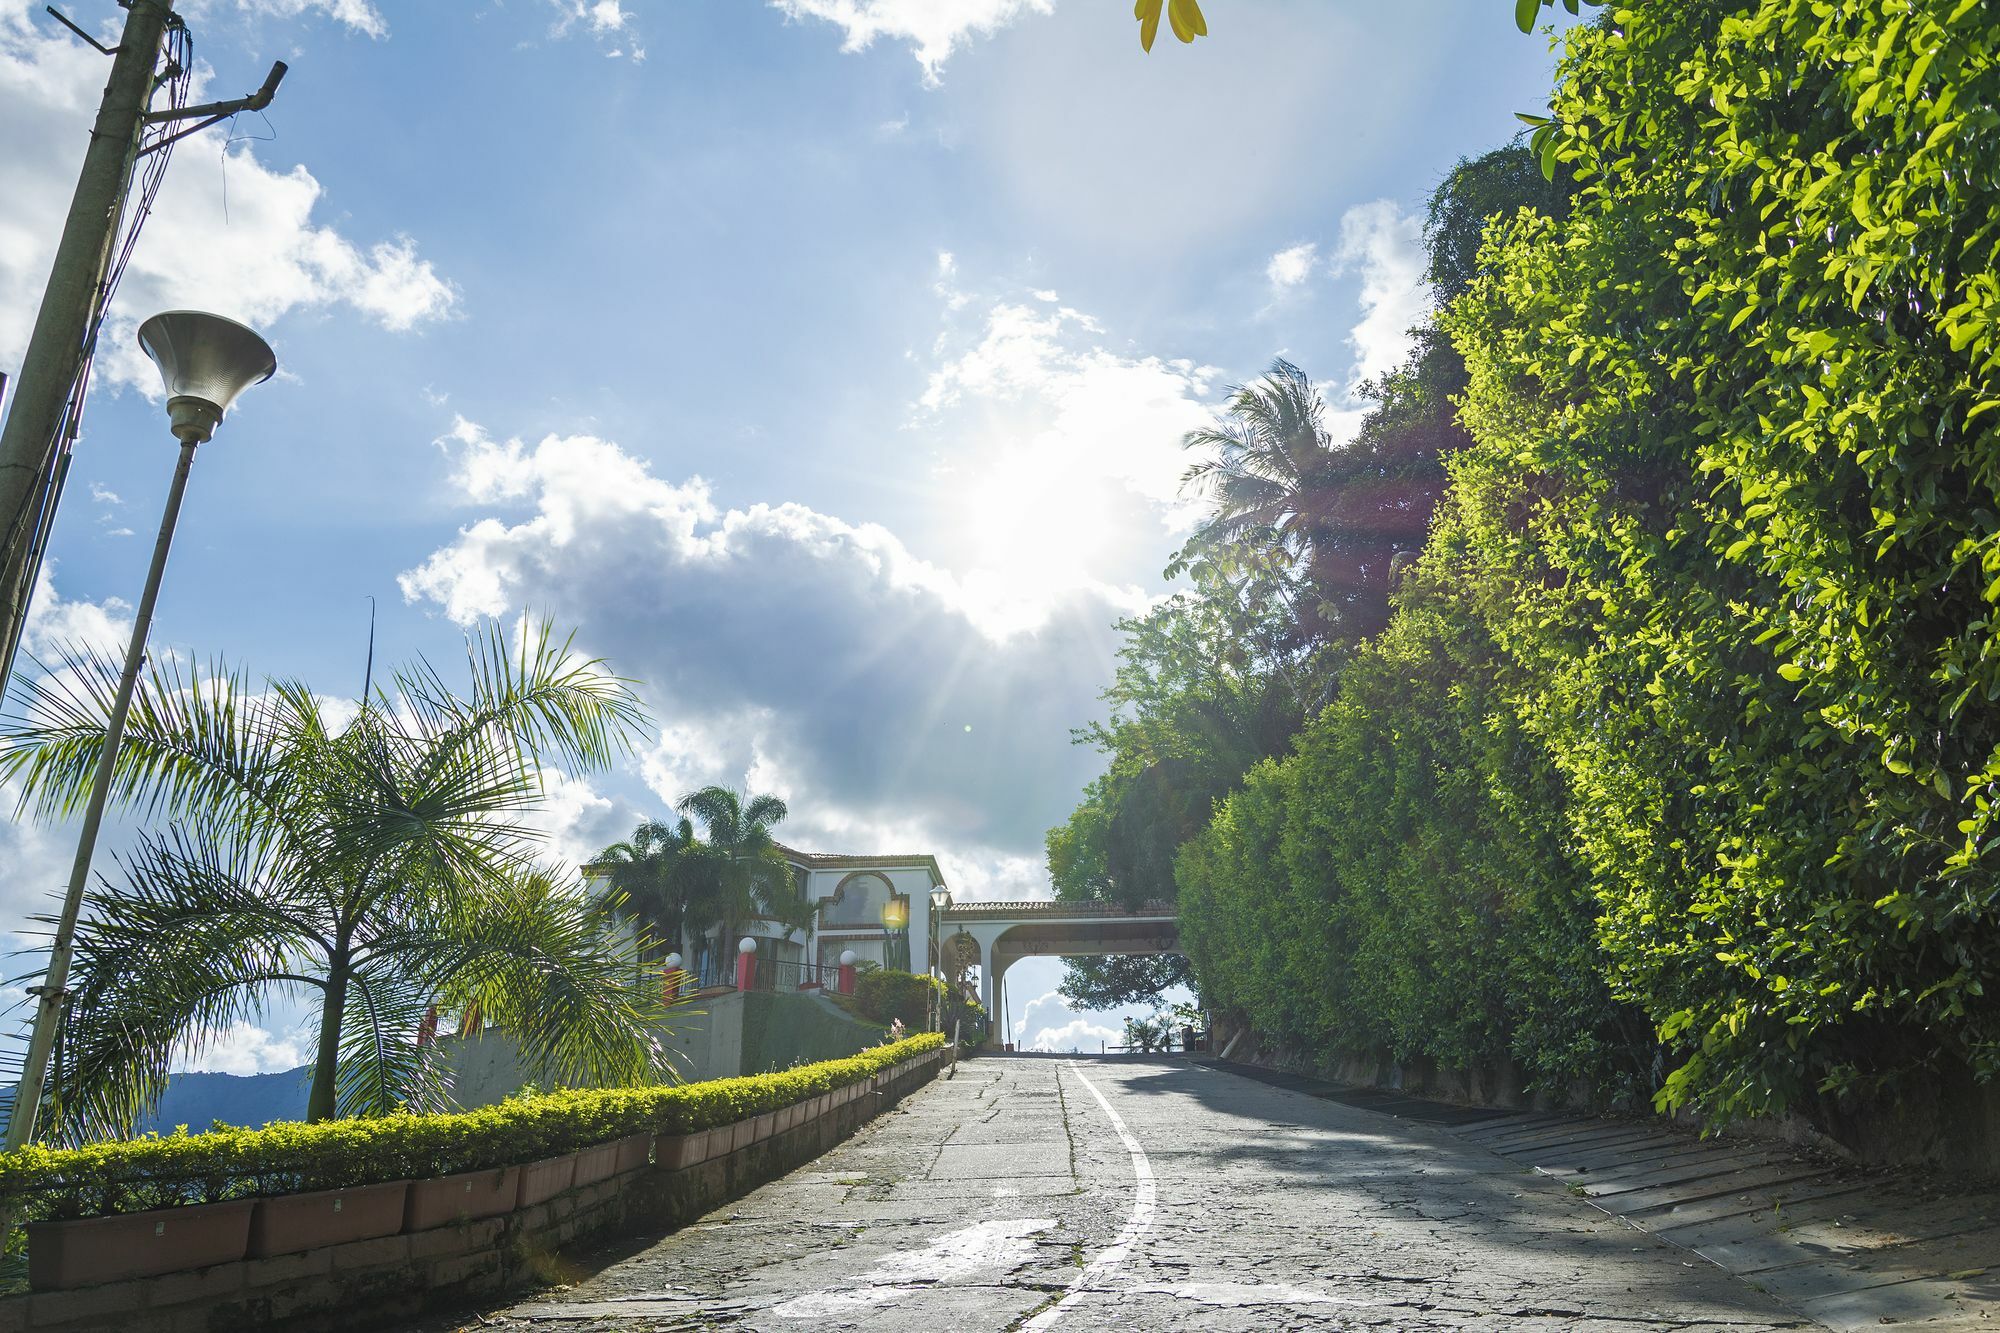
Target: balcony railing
769	974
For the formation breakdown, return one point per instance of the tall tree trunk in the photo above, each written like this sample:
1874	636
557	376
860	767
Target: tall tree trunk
322	1103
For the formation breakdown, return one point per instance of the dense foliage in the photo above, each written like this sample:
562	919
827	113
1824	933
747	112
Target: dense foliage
1397	887
161	1171
1733	502
1686	726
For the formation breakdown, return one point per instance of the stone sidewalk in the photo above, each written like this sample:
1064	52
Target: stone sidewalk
1851	1249
1848	1248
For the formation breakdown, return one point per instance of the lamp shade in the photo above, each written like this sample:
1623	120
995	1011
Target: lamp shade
208	359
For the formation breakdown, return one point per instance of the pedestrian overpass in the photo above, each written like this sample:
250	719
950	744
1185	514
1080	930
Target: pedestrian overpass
1004	933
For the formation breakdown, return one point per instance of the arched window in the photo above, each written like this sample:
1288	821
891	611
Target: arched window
858	902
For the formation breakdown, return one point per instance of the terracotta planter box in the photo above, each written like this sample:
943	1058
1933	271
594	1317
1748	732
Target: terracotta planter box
675	1151
634	1151
595	1164
764	1126
93	1250
462	1198
543	1180
289	1223
742	1134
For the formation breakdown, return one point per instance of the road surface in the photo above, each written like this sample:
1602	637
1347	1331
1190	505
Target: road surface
1039	1193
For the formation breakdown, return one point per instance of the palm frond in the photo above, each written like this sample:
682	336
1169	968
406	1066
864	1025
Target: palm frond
383	1067
195	742
537	695
190	946
537	962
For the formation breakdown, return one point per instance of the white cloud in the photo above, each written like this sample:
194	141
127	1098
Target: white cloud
575	821
1385	247
1048	1023
1061	456
257	258
35	863
244	1048
606	20
54	622
356	14
806	652
1292	265
933	28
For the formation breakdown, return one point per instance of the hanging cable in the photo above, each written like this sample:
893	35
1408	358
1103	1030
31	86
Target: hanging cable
38	514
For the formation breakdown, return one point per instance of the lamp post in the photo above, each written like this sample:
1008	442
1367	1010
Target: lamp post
940	900
746	963
206	362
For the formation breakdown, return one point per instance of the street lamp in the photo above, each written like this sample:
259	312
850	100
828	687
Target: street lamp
940	899
206	362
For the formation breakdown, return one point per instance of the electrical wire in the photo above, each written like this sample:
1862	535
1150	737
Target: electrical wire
177	82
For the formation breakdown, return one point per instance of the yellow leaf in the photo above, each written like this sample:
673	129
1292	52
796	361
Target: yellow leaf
1186	17
1148	14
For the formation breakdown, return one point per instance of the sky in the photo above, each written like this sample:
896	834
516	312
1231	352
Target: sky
822	363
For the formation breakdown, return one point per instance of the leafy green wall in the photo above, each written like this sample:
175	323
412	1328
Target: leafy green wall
1687	727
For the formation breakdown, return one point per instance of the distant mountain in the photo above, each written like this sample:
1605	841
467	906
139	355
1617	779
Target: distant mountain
252	1100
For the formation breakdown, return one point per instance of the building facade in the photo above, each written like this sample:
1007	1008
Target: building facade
877	907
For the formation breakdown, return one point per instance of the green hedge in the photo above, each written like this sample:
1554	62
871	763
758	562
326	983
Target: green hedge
159	1172
1397	887
1733	504
882	995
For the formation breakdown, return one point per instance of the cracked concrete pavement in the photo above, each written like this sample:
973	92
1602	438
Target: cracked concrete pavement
1008	1197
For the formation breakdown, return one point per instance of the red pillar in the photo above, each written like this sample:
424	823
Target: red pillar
847	973
746	968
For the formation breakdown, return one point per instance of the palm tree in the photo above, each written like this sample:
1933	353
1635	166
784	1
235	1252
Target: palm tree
668	885
1338	518
377	868
751	874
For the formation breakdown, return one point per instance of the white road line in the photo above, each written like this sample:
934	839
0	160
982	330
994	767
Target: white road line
1143	1200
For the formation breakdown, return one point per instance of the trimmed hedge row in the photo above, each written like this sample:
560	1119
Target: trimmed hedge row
160	1172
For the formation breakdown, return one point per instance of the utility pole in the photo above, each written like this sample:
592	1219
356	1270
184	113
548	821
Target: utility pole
70	307
47	394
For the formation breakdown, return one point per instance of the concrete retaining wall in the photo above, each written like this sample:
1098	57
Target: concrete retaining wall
379	1283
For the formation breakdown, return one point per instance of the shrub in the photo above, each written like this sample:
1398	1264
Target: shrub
158	1172
1398	888
883	996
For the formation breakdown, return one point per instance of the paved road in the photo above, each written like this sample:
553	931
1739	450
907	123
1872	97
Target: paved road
1087	1194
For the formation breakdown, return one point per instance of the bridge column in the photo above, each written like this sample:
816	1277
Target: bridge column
1000	1017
